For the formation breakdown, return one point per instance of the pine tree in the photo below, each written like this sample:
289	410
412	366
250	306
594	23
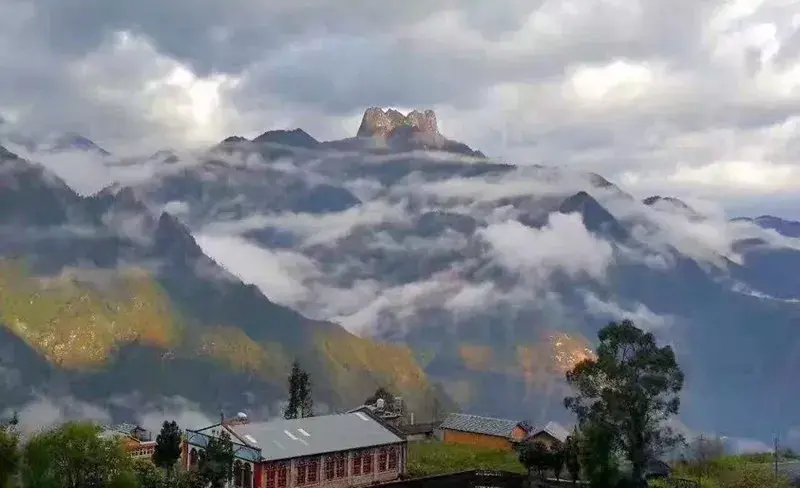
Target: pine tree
168	446
300	402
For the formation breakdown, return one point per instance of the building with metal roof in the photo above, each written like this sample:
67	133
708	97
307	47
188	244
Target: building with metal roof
351	449
490	432
552	434
137	441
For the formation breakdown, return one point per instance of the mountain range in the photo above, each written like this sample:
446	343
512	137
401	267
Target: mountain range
396	257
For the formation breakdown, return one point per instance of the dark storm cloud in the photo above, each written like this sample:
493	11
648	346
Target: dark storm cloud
505	78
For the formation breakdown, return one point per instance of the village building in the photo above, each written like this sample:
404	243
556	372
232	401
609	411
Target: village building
138	442
425	431
488	432
553	435
331	451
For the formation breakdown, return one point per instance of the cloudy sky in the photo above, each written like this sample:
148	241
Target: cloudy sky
698	95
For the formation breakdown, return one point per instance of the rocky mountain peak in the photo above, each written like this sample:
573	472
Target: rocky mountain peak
381	123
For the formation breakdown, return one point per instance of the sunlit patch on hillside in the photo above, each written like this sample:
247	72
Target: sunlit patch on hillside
240	353
388	365
477	358
77	323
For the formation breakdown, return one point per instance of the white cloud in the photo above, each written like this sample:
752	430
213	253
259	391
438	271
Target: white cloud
640	314
518	80
281	275
563	244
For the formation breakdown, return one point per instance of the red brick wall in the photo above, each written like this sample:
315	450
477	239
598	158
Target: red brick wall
480	440
375	474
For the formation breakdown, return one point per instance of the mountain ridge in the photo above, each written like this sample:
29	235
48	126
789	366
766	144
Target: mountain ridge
495	276
182	297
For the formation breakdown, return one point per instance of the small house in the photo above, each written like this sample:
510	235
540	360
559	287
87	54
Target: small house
553	435
419	432
489	432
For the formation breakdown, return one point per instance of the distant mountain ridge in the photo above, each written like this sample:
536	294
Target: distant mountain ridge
106	298
496	277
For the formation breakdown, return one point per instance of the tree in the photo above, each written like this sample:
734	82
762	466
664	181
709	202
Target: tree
705	452
572	456
216	463
187	479
10	455
597	455
74	455
168	446
535	456
300	402
629	392
557	459
149	475
383	394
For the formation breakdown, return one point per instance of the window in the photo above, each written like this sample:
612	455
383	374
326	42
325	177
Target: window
306	471
355	469
300	473
282	476
366	462
383	456
392	458
269	475
341	472
330	465
237	474
311	473
193	458
247	476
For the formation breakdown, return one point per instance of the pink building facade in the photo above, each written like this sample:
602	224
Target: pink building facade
332	451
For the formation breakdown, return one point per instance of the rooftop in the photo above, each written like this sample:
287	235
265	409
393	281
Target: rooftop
479	425
555	429
285	439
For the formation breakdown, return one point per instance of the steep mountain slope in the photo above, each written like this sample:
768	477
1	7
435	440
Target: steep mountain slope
106	298
497	276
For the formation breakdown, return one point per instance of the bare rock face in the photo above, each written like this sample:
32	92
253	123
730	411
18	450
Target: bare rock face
390	123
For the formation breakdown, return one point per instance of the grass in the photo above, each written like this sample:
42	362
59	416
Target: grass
432	458
743	471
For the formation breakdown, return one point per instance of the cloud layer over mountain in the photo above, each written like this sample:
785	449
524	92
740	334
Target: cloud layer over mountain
697	96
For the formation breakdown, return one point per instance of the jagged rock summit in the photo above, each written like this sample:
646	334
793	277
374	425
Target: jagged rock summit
418	129
377	122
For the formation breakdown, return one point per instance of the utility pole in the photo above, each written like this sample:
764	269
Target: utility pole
776	455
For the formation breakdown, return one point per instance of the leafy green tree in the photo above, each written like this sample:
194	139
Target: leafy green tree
149	475
628	393
300	402
572	457
597	455
74	455
186	479
216	463
535	456
10	455
168	446
557	459
124	479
